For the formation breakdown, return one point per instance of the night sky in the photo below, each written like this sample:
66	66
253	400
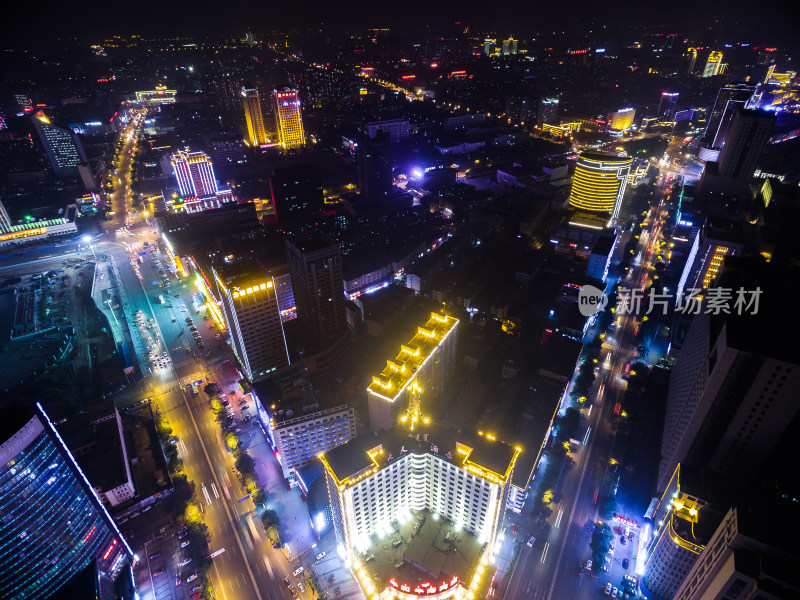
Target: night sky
94	20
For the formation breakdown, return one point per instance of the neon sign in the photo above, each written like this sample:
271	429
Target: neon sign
425	589
23	234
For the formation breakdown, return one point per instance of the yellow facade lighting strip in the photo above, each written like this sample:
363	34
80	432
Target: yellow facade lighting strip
400	371
252	290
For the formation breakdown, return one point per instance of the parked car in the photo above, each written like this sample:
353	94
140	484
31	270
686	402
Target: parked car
297	571
320	556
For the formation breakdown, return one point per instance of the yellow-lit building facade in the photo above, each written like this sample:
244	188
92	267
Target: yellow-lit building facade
425	359
401	526
714	65
251	312
599	183
288	118
621	120
673	547
254	118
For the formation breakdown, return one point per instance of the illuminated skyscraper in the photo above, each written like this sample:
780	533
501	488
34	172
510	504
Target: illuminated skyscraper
63	149
599	182
714	65
548	112
425	360
53	524
416	509
488	46
288	118
666	108
510	46
254	118
252	314
682	524
195	174
737	95
621	120
691	57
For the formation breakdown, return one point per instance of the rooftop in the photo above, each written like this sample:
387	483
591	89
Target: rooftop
423	550
399	372
479	453
246	275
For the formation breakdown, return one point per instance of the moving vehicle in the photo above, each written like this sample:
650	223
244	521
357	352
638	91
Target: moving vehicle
297	571
531	541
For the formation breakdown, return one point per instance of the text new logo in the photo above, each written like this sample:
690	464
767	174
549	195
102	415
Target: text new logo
591	300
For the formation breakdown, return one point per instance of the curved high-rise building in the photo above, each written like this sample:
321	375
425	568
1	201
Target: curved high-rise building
254	118
52	524
599	182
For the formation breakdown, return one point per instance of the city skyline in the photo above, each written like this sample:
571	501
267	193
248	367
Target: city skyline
391	303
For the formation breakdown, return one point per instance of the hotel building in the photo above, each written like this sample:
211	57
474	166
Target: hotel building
288	118
416	513
426	360
599	182
197	183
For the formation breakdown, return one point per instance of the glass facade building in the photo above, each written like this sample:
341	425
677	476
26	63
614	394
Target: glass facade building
52	525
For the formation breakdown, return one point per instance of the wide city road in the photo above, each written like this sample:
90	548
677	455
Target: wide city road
248	568
550	570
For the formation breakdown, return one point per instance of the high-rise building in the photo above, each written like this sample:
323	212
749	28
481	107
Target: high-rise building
296	193
682	524
63	149
746	140
691	58
288	118
666	108
599	182
733	92
488	46
520	110
298	440
374	166
253	116
714	65
739	562
24	101
195	174
621	120
731	394
54	525
253	316
425	361
396	129
5	220
510	46
317	282
548	112
416	513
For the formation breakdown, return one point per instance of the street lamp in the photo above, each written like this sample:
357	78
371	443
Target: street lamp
87	239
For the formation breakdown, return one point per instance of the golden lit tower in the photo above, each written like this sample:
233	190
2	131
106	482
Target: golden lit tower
714	65
599	182
288	119
256	133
